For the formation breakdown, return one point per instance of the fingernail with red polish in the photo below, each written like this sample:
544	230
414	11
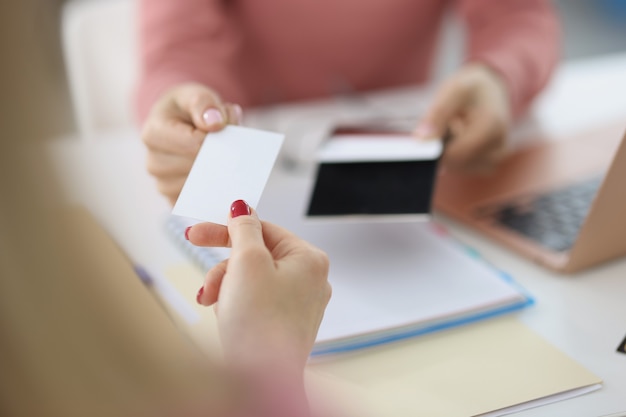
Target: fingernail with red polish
239	208
212	117
199	296
187	232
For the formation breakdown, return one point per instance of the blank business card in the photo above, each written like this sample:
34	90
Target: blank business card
234	163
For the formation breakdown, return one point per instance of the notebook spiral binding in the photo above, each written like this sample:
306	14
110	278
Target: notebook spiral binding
204	258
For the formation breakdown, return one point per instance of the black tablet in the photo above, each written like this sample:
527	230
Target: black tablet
374	175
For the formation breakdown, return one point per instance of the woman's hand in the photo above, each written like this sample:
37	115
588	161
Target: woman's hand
175	129
271	293
474	106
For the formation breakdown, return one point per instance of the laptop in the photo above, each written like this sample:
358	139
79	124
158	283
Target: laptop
560	203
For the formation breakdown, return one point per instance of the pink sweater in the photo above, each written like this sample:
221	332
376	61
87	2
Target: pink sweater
256	52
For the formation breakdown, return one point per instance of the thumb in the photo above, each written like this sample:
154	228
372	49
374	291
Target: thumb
244	227
204	107
448	103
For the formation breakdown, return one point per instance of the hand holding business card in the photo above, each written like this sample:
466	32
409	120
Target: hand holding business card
234	163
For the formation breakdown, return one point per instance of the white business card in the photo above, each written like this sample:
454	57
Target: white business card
233	164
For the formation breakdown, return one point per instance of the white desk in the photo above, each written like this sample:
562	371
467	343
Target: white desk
585	315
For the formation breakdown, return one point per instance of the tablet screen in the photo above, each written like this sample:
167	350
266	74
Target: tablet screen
376	175
373	188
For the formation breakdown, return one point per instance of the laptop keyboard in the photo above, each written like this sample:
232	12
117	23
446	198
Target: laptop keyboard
553	220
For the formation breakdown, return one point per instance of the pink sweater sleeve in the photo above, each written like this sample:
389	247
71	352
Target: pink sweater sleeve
519	39
184	41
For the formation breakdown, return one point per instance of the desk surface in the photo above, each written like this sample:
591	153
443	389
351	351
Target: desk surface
582	315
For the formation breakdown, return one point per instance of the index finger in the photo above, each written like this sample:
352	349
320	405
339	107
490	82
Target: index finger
448	102
216	235
193	103
478	136
208	234
173	136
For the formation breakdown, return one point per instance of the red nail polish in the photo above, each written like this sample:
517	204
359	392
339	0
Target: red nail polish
187	232
199	296
239	208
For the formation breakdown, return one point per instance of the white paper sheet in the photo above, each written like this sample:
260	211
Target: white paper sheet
543	401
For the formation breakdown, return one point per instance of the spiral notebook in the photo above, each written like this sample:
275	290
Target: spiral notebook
434	284
203	258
